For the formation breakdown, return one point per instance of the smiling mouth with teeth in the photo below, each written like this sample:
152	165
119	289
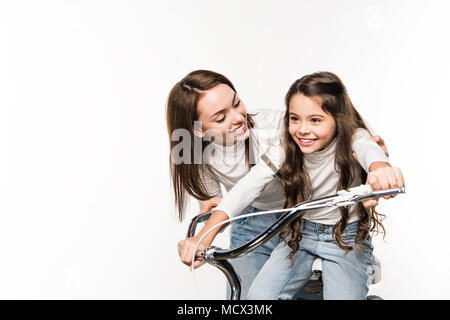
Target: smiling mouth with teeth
241	129
306	142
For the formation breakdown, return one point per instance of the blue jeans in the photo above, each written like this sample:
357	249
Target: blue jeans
242	231
344	276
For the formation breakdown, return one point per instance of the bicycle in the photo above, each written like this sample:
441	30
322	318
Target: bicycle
218	257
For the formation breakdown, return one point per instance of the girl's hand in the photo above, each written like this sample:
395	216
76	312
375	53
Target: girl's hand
383	178
211	203
186	249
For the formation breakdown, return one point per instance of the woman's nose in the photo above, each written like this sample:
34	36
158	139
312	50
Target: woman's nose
237	116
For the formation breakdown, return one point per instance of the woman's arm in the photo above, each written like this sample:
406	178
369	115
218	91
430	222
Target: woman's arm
235	201
186	247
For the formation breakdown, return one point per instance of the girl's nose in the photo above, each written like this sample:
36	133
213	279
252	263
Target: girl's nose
303	128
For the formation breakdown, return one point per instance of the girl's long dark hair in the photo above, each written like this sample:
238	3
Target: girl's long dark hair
181	112
333	97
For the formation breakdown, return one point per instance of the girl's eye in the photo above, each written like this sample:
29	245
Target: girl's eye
221	119
315	120
237	104
294	118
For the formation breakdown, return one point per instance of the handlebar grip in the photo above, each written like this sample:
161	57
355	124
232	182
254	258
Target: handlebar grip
359	190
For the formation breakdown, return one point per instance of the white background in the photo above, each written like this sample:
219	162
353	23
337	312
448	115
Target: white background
86	208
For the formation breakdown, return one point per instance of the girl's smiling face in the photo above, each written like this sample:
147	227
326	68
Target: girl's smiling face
309	125
223	114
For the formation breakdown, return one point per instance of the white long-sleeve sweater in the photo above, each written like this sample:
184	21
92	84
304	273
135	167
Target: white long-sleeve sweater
261	188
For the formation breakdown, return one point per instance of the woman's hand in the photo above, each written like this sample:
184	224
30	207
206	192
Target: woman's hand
384	177
381	143
186	250
187	246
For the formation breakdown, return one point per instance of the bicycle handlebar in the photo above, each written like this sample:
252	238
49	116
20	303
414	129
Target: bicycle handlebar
195	221
218	257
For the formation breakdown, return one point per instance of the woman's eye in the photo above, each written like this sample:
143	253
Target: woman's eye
315	120
294	118
237	104
221	119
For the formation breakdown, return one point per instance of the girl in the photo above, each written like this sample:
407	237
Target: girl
231	143
321	126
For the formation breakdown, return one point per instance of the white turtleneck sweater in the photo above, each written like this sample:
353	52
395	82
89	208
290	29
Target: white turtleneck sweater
325	179
260	186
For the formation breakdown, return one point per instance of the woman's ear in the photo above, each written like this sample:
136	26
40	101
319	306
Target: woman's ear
199	133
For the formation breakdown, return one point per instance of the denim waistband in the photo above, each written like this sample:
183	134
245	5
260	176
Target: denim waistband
318	228
252	209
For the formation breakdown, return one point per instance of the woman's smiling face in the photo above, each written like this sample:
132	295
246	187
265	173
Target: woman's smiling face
222	115
309	125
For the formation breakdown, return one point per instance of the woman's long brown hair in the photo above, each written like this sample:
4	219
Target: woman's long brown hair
181	112
331	93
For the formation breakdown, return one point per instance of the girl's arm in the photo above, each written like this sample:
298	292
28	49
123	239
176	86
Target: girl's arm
367	151
381	175
381	143
251	186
